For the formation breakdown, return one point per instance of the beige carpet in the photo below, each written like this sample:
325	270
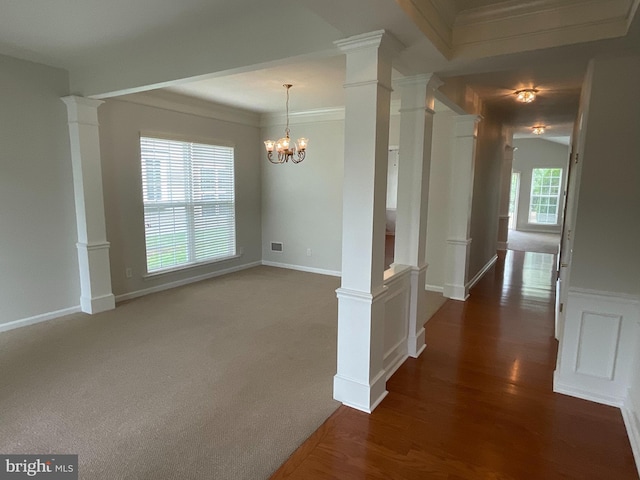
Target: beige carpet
533	242
222	379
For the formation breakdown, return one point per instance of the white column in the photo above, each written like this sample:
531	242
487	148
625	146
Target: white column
360	379
414	165
460	197
93	248
505	191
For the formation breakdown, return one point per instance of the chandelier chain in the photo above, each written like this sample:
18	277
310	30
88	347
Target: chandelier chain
287	129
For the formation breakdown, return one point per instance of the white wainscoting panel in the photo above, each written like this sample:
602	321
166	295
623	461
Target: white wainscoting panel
598	341
597	348
396	317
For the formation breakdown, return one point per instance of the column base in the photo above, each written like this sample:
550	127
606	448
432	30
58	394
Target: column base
360	396
98	304
416	344
455	292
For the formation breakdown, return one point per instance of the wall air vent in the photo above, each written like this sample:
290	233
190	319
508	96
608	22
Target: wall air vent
276	247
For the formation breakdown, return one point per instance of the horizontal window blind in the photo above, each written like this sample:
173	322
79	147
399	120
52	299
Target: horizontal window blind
189	202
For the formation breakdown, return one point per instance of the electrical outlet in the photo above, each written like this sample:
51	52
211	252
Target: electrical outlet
128	272
309	252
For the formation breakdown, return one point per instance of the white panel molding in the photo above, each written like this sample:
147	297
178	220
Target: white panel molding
631	415
185	281
303	268
597	347
43	317
482	272
434	288
396	318
591	324
176	102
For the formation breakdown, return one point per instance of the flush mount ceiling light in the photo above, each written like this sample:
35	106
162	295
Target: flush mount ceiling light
526	95
538	129
283	147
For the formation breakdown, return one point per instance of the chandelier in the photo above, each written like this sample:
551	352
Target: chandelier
526	95
284	147
538	129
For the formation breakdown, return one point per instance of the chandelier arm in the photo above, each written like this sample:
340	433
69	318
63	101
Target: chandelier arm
301	155
270	157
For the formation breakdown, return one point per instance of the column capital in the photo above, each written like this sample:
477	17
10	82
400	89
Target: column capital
429	80
82	109
465	125
377	39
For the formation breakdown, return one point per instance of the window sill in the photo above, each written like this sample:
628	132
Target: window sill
190	266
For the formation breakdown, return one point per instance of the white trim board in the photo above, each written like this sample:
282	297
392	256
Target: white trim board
179	283
631	417
434	288
481	273
301	268
43	317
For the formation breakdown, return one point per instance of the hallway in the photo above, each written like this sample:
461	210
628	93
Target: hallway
478	403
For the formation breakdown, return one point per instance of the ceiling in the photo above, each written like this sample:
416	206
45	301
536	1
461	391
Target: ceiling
454	40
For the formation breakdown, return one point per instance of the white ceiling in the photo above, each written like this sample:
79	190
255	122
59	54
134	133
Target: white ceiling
317	84
76	35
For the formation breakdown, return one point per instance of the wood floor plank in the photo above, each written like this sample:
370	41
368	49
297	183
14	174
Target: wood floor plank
478	403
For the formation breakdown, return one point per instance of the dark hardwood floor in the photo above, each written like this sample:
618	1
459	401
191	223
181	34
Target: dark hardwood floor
478	403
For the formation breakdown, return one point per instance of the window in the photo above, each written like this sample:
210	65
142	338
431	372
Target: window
189	202
545	195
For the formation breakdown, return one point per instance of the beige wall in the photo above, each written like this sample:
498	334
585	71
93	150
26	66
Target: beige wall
537	153
302	203
120	126
38	259
438	212
606	253
486	193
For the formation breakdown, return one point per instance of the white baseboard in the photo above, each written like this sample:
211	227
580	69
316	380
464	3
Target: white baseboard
301	268
186	281
395	364
434	288
481	273
38	318
565	388
632	422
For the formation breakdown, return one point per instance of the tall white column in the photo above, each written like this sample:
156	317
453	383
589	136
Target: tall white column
460	197
414	165
360	379
93	248
505	191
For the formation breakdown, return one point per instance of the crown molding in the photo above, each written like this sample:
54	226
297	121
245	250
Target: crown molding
297	118
176	102
513	26
429	18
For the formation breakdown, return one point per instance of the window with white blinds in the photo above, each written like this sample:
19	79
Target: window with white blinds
189	202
